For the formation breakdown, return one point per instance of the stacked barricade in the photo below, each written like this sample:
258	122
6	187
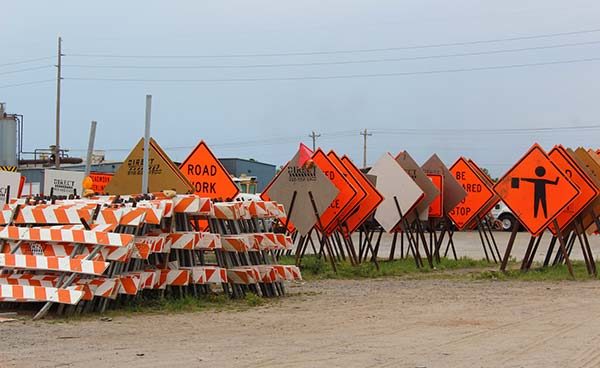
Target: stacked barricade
92	254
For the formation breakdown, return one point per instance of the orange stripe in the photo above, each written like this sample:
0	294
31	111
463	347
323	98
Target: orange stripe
17	291
40	293
78	236
61	216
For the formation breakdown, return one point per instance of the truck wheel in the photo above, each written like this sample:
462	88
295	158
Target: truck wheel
508	222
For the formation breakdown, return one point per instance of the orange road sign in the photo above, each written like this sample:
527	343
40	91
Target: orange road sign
436	208
346	191
453	191
592	169
368	205
536	190
100	181
588	191
478	193
492	202
355	200
162	173
207	175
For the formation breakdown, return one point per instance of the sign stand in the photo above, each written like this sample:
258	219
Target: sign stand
412	244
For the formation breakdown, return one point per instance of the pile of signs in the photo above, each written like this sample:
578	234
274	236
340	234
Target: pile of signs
331	198
101	252
558	191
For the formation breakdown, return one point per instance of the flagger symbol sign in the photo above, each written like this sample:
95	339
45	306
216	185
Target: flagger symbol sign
536	190
539	189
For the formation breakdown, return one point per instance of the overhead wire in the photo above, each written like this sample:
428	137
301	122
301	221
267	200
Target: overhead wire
342	76
342	62
331	52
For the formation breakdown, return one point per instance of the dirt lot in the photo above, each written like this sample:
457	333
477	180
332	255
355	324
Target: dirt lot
365	323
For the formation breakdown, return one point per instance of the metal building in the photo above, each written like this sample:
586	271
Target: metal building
240	167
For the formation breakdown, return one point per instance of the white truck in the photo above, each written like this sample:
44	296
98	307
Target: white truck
502	213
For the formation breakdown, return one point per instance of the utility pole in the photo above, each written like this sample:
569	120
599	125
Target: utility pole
314	137
145	163
90	150
58	79
365	134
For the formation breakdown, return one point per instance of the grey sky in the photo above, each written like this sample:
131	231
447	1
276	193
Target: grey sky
225	112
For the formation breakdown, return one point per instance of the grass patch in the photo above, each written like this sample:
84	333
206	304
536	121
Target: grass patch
537	273
314	268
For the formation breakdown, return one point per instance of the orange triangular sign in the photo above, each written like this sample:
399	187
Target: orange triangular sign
207	175
162	173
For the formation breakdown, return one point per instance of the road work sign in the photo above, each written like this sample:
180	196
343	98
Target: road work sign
536	190
207	175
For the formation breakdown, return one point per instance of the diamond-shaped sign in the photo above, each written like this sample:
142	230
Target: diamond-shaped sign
398	190
453	191
207	175
436	208
355	200
536	190
588	191
478	193
346	191
416	173
162	172
304	181
368	205
490	183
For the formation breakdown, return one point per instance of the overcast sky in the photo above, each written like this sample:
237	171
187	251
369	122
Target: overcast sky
274	115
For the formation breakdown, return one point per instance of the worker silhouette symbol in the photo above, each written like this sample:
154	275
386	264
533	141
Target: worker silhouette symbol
539	189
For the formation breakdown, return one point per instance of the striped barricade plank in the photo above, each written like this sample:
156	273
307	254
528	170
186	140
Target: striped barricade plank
192	204
130	283
66	235
29	280
268	274
243	275
60	264
149	278
257	209
207	274
228	210
176	277
236	243
266	241
183	240
6	216
71	295
109	216
132	216
145	245
209	241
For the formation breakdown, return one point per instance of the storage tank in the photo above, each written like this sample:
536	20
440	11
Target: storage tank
8	137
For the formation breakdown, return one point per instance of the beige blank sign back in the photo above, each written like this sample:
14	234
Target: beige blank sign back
393	181
302	181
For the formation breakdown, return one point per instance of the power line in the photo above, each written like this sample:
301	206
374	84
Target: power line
26	69
27	61
348	76
27	83
435	131
343	62
352	133
332	52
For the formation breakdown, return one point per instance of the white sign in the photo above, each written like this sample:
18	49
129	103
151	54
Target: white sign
62	182
396	186
12	180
